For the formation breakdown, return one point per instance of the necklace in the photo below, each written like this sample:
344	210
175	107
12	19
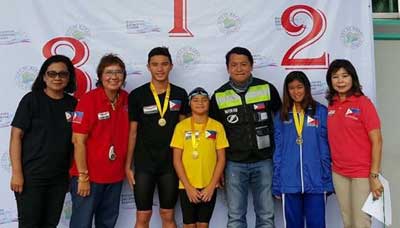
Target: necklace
113	101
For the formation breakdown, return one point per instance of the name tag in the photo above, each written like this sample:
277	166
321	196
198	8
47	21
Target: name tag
103	115
151	109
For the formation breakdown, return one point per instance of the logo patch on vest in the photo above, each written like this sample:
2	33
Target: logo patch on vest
232	118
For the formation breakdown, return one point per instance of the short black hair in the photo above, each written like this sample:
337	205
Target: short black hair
108	60
239	51
39	83
159	51
337	64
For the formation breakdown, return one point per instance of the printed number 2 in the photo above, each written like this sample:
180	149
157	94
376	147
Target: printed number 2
318	29
180	28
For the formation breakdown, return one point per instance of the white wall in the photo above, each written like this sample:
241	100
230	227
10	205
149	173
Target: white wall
387	56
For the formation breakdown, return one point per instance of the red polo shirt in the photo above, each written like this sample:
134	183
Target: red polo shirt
349	122
104	126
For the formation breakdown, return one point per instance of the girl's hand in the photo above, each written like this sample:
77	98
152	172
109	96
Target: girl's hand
207	193
193	194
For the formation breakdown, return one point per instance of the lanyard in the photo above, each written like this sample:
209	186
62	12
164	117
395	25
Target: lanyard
196	138
162	110
299	123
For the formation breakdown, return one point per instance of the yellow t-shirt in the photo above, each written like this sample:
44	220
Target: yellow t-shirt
199	171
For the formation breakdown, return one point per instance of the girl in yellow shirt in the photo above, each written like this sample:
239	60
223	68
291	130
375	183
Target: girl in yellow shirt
199	144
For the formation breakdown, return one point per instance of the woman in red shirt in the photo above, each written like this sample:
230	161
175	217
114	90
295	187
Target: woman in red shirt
355	141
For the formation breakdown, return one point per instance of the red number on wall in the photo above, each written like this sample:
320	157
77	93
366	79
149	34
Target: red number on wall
318	29
81	55
180	28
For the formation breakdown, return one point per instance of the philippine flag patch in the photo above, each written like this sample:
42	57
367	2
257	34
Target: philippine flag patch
175	105
78	116
353	111
311	122
211	134
259	106
68	116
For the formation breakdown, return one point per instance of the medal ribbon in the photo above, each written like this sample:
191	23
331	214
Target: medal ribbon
195	143
163	110
298	123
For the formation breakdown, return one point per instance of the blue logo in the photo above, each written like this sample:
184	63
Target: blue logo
9	37
25	77
140	26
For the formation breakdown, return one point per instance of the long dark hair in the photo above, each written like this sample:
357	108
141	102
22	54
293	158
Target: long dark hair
356	88
39	84
308	101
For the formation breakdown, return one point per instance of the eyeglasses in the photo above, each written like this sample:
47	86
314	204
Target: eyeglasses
61	74
110	73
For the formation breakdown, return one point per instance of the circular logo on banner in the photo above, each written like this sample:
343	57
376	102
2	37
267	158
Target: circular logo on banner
188	56
352	37
25	77
5	161
228	23
78	31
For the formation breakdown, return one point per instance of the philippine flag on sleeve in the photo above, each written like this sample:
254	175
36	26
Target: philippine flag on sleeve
175	105
78	116
211	134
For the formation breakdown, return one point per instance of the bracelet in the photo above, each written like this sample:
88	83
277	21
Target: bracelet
86	172
374	175
83	179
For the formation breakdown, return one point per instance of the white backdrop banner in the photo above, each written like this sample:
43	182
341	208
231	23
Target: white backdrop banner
283	36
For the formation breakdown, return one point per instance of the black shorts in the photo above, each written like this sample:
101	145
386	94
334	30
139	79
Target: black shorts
145	183
196	212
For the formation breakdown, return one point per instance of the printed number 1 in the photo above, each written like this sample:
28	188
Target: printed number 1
180	28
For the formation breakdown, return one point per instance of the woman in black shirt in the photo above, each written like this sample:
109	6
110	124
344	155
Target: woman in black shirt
40	144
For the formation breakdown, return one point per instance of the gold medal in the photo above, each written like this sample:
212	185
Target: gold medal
298	123
195	154
299	140
162	122
162	110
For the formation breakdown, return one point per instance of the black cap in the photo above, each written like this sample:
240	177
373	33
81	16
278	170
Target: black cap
197	91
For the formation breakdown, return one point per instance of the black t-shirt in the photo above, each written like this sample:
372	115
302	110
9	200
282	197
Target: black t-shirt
152	150
46	144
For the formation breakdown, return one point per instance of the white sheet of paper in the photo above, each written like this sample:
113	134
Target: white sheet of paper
380	209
